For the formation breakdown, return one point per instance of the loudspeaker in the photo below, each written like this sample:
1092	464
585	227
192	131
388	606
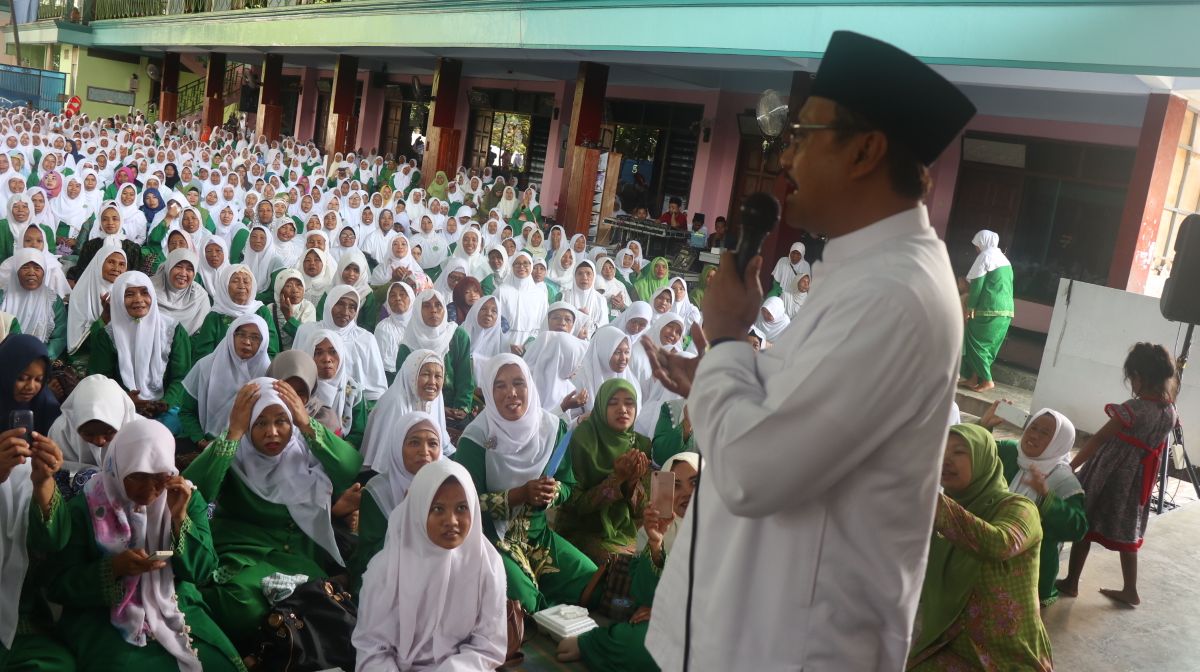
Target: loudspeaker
1181	295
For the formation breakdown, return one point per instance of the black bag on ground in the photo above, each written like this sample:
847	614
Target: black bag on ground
309	630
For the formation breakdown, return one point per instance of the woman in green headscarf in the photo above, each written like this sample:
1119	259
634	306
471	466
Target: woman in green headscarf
979	603
706	275
438	188
612	465
492	197
653	277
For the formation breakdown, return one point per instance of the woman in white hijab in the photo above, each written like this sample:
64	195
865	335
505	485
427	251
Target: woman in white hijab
795	295
135	507
145	351
499	268
485	327
398	263
335	388
29	299
583	295
470	251
561	269
555	355
277	472
435	555
214	380
179	296
291	308
71	208
667	333
608	356
338	313
418	387
681	304
233	297
772	319
522	303
452	273
507	450
508	204
90	293
320	273
434	246
389	331
431	329
133	220
289	250
789	268
414	206
414	439
94	412
216	259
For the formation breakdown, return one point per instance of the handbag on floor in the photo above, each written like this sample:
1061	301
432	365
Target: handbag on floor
309	630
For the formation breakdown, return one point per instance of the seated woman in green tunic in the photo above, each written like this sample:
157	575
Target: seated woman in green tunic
497	261
125	608
983	561
1039	467
621	647
210	387
109	231
335	387
273	474
612	464
431	329
36	525
508	451
20	213
141	348
233	297
36	308
420	442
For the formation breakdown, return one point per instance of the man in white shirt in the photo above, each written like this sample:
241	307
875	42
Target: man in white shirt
824	453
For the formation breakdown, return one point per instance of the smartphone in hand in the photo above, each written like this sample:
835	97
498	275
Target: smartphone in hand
662	494
22	419
162	555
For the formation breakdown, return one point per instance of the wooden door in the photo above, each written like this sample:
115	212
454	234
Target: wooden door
481	137
755	171
985	197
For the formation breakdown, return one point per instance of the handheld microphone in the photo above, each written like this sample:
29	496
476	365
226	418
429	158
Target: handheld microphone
759	213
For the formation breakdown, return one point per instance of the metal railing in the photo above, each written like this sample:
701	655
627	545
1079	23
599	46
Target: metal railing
127	9
191	95
30	86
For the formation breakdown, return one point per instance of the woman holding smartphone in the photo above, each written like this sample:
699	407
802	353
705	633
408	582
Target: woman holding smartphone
139	543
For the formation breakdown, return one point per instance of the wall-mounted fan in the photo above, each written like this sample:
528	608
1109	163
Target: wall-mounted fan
772	114
153	72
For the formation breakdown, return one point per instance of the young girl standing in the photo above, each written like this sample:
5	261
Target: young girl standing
1120	465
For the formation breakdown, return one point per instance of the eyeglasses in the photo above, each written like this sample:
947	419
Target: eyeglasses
798	132
253	339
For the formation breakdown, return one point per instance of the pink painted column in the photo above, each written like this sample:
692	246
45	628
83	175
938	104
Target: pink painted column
370	114
306	115
944	174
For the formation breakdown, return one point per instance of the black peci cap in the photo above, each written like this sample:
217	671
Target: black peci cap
905	98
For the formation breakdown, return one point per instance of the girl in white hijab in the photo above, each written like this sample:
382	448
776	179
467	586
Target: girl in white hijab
366	365
608	356
291	307
508	203
414	206
989	258
398	263
554	357
418	387
522	303
561	269
264	261
449	269
625	271
795	295
214	381
772	319
581	293
791	267
389	331
179	296
470	251
358	281
215	249
289	250
434	246
667	333
435	556
70	210
484	326
320	273
681	304
144	345
139	502
96	399
87	299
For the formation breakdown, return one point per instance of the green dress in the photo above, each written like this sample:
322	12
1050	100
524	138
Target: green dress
991	297
372	532
35	646
621	647
85	586
8	244
669	440
458	390
103	360
488	284
603	513
56	345
543	569
1063	520
255	538
213	329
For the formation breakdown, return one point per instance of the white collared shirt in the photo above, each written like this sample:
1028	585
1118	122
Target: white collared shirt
823	458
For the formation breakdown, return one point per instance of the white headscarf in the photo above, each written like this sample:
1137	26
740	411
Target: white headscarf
655	394
553	359
356	258
485	343
143	345
72	211
774	328
293	478
522	303
86	305
214	381
223	303
189	306
403	396
442	286
389	261
990	257
596	368
339	393
389	332
147	447
96	397
262	264
366	364
34	310
563	277
421	602
590	302
209	275
477	263
420	336
684	308
434	245
316	286
786	272
1054	463
793	298
391	485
